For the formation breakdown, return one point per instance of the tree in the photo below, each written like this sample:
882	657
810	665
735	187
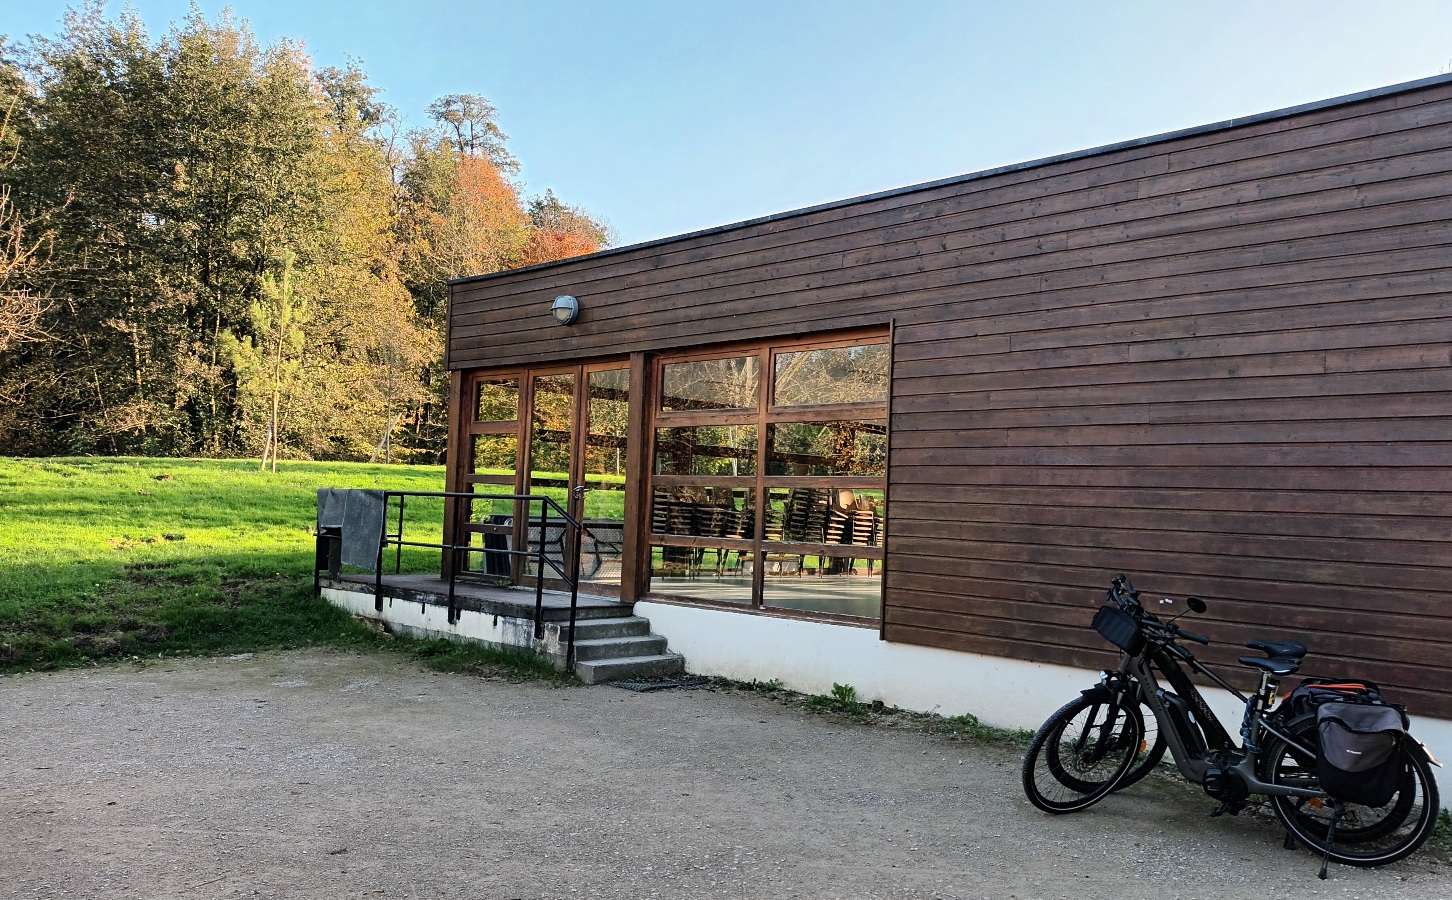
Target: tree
269	361
559	231
468	121
238	255
21	250
179	168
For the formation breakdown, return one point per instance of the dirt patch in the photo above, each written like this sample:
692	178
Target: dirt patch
331	774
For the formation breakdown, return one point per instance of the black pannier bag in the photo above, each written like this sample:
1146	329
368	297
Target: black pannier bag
1362	756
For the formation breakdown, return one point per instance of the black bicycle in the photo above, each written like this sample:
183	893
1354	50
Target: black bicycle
1103	741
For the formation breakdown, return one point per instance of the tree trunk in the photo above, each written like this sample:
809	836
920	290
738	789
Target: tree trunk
386	444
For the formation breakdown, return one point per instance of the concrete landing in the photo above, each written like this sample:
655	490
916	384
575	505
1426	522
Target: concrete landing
610	643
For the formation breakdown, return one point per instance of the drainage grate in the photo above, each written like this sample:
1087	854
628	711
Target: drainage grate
663	683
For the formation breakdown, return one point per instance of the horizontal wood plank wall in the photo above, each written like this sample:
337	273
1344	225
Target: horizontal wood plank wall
1221	364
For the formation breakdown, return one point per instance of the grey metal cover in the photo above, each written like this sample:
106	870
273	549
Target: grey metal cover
362	523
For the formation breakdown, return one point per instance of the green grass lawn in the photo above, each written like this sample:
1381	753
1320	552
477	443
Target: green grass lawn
117	557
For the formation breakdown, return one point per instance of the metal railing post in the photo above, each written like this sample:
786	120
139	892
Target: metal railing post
574	594
544	530
398	557
453	552
378	562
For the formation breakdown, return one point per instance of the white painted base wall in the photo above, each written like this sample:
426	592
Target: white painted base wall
432	621
811	656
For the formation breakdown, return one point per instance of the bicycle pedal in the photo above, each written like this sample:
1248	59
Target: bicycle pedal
1226	807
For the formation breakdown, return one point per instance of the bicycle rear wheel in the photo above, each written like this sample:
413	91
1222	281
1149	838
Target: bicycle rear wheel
1365	836
1082	753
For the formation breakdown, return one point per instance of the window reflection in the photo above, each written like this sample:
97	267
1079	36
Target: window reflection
497	400
702	512
702	573
854	589
821	514
835	375
722	450
554	416
824	516
857	448
710	384
605	441
495	454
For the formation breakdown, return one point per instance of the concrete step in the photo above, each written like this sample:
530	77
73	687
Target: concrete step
620	647
596	671
618	626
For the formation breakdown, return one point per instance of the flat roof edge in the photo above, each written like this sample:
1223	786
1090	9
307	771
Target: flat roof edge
1223	125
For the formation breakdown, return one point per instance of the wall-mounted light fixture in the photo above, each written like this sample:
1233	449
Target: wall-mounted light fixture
565	309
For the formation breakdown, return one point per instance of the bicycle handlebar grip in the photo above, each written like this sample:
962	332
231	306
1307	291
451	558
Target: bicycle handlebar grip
1194	637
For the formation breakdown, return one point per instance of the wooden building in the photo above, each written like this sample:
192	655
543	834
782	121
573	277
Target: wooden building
1217	360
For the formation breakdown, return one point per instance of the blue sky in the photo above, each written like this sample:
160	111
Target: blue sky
670	117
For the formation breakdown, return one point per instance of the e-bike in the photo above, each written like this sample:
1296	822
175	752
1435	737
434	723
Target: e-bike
1099	743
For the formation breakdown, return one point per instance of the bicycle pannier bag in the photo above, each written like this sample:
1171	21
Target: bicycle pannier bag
1313	692
1362	756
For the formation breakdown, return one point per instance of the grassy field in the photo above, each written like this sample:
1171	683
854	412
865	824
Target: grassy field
113	558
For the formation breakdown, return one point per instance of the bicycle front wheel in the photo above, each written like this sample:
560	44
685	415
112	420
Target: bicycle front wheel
1082	753
1365	835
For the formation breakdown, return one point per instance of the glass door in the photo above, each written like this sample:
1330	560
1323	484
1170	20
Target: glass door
600	483
560	433
550	473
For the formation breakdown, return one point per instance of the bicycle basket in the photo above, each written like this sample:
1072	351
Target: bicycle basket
1119	629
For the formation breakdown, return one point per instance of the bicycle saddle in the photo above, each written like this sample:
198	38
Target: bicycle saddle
1276	665
1284	649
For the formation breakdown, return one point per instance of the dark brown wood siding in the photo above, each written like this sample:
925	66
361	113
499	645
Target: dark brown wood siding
1219	363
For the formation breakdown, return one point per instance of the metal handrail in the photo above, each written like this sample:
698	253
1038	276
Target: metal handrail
452	553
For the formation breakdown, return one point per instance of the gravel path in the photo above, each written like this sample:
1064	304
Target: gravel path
325	774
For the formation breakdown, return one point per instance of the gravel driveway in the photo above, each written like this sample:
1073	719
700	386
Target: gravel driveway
328	774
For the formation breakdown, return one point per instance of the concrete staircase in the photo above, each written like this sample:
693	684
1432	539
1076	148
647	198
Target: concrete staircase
621	649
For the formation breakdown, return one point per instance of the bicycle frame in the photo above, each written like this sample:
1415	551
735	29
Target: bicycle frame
1192	762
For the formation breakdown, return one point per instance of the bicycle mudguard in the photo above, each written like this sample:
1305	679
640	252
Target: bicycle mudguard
1421	746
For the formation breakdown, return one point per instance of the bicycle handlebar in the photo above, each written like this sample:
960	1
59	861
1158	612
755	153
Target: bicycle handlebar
1122	592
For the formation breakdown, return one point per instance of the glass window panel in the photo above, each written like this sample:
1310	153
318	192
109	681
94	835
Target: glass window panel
605	499
552	427
495	454
703	512
720	450
857	448
494	561
828	581
836	375
710	384
700	573
605	444
824	516
497	400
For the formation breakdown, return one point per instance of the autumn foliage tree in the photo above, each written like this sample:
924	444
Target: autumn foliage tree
161	192
463	214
